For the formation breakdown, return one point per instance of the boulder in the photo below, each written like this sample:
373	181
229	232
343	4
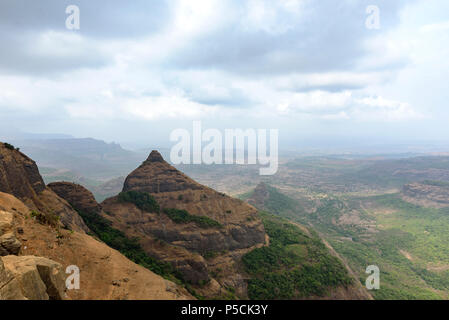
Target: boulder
9	286
9	244
38	278
8	241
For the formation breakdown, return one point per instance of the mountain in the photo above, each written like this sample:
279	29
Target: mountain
41	234
200	232
269	199
212	244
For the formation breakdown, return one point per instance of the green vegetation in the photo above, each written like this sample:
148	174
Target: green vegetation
9	146
295	265
182	216
45	218
409	239
128	247
144	201
279	204
410	244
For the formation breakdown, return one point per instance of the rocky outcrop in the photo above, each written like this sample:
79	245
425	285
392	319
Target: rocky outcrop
9	285
185	245
8	241
37	278
20	177
427	193
19	174
78	196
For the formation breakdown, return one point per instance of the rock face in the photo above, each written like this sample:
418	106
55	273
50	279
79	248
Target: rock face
36	278
9	285
77	196
19	174
105	274
427	193
185	245
20	177
8	241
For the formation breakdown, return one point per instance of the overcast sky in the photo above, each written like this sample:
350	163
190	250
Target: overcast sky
135	70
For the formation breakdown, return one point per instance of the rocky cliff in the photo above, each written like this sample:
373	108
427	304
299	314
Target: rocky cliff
20	177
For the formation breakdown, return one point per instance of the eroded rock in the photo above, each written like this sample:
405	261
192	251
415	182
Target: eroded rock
38	278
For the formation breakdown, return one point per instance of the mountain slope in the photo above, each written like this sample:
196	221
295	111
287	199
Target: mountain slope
104	272
328	274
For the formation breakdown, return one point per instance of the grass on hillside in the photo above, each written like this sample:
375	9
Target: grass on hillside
409	240
403	228
129	247
182	216
295	265
144	201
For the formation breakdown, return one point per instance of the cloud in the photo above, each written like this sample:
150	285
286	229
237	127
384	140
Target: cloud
226	61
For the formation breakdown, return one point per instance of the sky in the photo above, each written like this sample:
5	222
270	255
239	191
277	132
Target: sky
135	71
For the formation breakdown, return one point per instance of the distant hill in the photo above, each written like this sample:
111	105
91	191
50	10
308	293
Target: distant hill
88	158
268	198
428	193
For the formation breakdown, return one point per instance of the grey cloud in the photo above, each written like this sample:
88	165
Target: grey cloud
329	37
20	57
99	18
23	22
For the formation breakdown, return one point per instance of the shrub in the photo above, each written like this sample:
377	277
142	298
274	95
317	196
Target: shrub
46	218
9	146
129	247
182	216
210	255
144	201
284	271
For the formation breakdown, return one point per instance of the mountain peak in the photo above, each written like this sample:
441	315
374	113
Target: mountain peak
155	156
155	175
